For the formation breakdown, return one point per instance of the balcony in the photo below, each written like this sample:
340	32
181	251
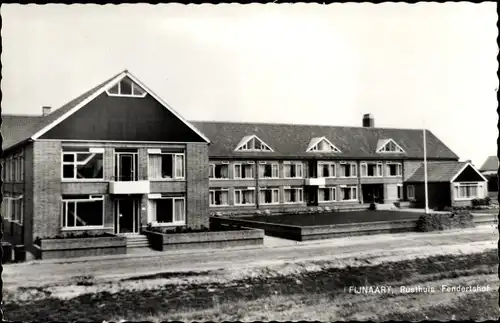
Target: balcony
315	181
129	187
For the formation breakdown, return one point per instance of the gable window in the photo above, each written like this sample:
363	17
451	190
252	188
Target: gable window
82	164
467	191
389	146
326	169
243	171
167	210
80	211
268	170
252	143
219	197
410	192
244	196
394	169
219	171
371	169
321	144
293	170
293	195
165	165
327	194
269	196
348	169
128	88
348	193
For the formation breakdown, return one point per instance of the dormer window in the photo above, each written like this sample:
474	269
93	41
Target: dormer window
252	143
321	144
127	88
388	146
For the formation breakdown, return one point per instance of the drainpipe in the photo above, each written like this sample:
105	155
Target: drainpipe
257	188
360	190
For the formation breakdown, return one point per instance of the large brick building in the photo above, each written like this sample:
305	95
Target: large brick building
118	158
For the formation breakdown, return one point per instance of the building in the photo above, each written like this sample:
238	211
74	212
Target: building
490	170
112	160
118	158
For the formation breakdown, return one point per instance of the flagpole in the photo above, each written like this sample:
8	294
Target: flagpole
425	175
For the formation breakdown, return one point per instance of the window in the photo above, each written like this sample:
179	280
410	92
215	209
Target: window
252	143
219	197
13	208
3	169
410	192
269	170
348	170
326	169
400	191
244	171
219	171
127	87
467	191
389	146
348	193
327	194
82	165
321	144
244	196
293	170
371	170
293	195
82	211
394	169
167	210
166	165
269	196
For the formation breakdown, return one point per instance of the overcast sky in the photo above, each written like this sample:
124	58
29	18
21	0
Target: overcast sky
300	63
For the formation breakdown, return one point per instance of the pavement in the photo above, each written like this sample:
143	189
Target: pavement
109	268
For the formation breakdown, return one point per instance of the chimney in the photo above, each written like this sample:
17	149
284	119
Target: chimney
46	111
368	121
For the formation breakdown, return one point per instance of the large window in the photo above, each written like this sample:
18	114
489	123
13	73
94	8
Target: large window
82	164
394	169
79	211
269	170
371	170
244	196
348	170
219	171
269	196
127	87
166	165
467	191
326	169
348	193
293	195
244	171
327	194
13	208
219	197
293	170
167	210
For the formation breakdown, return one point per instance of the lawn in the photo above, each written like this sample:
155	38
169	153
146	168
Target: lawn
328	218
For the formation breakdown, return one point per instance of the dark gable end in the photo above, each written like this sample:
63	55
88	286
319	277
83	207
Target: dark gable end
123	119
469	175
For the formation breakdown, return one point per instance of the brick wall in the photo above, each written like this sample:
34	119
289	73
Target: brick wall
197	185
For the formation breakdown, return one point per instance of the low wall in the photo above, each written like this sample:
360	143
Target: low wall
214	239
285	231
80	247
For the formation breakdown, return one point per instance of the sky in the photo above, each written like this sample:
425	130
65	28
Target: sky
431	65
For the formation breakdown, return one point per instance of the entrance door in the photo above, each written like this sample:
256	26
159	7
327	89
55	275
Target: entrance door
312	196
126	166
373	193
126	216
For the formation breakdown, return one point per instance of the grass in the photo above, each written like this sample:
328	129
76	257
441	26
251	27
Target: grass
328	218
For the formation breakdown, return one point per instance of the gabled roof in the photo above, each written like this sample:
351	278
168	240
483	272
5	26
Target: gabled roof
382	143
490	164
247	139
439	171
316	141
17	129
292	141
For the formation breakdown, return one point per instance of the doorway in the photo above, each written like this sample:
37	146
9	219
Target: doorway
127	216
373	193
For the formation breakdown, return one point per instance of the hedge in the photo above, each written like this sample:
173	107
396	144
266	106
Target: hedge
437	222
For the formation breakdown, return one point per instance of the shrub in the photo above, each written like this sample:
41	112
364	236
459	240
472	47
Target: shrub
480	202
435	222
372	207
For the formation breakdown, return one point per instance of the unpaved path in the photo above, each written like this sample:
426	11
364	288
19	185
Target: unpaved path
347	251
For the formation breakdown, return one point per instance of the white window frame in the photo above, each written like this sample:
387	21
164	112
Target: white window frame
10	210
352	166
333	193
399	169
410	192
399	191
384	151
301	195
294	164
241	190
273	190
75	163
126	95
243	146
211	197
64	216
457	187
314	148
332	168
351	187
239	176
174	165
152	217
274	166
212	170
378	166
